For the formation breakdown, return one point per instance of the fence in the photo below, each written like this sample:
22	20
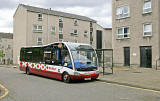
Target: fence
105	59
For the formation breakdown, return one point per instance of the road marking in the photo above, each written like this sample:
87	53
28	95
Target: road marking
144	89
5	93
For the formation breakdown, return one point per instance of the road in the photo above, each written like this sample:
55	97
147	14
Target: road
24	87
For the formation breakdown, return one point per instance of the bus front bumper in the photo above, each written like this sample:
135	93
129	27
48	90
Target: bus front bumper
81	76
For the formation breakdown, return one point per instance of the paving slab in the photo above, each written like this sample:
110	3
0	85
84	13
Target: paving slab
146	78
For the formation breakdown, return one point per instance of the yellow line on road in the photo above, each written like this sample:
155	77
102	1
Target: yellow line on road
5	93
138	88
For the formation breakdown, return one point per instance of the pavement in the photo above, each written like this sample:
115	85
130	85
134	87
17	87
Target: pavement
145	78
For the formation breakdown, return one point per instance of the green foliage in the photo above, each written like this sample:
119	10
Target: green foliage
1	54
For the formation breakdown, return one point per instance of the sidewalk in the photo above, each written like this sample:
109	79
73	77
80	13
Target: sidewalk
146	78
9	66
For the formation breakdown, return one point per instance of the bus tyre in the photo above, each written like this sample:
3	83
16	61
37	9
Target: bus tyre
27	71
94	79
66	78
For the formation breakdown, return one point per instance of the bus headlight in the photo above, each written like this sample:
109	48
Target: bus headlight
76	73
97	72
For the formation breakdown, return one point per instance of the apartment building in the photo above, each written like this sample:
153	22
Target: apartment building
38	26
136	29
6	48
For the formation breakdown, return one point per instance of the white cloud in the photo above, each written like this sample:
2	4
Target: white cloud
6	21
99	10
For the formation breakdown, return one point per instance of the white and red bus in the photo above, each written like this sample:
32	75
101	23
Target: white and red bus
62	60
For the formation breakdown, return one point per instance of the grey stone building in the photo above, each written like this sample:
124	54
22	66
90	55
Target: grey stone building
136	32
38	26
6	48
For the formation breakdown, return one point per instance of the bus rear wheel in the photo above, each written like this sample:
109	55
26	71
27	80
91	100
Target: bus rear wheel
66	78
27	71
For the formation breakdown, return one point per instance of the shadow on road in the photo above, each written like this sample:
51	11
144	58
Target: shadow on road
72	82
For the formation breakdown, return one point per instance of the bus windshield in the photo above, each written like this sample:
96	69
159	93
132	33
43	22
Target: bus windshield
84	57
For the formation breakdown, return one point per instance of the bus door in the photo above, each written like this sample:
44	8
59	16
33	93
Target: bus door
63	57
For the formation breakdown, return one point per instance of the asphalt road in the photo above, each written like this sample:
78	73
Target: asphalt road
24	87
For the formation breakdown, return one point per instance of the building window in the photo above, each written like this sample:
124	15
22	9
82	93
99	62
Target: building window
37	28
74	32
61	22
91	33
123	12
123	32
53	30
39	41
40	17
60	30
60	37
147	30
76	41
75	22
9	46
147	7
91	25
85	33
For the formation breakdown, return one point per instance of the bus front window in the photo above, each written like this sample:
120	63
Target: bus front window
84	57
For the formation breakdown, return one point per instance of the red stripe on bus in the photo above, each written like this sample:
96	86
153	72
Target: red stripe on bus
51	74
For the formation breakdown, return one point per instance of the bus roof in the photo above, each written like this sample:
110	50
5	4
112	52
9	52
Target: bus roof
66	43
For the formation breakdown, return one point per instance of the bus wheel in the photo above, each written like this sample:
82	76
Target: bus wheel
66	78
27	71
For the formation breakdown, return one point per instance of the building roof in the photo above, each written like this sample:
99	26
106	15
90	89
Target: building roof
56	13
108	28
6	35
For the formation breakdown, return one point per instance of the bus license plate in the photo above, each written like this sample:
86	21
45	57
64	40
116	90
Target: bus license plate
87	78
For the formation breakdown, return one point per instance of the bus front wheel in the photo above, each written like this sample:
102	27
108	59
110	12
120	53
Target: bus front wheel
27	71
66	78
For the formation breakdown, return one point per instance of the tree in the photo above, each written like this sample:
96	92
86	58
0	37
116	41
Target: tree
1	54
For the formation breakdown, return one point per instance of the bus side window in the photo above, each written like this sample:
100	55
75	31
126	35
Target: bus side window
66	60
37	55
22	55
54	57
47	57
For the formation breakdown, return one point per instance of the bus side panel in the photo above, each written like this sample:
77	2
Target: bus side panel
46	73
22	66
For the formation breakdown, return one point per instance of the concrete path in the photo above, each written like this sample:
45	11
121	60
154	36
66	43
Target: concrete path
145	78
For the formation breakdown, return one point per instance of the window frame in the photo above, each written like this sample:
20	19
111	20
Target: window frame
53	31
145	12
122	15
60	31
37	30
123	34
85	33
40	18
147	31
60	19
38	42
75	22
74	32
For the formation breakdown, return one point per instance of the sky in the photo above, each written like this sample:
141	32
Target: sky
99	10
